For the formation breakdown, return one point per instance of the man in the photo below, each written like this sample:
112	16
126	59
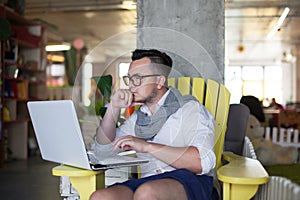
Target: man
175	132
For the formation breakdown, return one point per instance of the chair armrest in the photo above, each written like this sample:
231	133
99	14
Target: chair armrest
241	176
242	170
65	170
84	181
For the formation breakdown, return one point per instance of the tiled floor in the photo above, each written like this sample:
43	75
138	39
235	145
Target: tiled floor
28	180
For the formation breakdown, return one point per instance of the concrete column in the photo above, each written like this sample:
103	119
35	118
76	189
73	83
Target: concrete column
192	31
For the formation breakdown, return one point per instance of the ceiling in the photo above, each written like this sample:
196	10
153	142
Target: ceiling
247	23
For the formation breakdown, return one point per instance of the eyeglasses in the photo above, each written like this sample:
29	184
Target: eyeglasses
136	80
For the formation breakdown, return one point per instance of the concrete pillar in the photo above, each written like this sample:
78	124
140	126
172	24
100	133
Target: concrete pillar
192	31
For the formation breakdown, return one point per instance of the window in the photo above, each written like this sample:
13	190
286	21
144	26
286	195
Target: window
273	82
123	70
87	72
233	82
263	82
252	78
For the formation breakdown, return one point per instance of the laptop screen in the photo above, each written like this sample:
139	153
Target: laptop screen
58	132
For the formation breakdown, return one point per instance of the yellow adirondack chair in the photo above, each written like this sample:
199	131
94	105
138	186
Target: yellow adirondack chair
241	177
214	98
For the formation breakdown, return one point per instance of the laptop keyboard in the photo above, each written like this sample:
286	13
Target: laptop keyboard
110	160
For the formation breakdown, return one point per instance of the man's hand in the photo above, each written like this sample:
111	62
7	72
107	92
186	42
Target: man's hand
107	130
177	157
121	99
131	143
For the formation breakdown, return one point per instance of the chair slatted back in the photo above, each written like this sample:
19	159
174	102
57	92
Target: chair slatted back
215	97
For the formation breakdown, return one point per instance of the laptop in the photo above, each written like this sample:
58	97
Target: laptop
60	139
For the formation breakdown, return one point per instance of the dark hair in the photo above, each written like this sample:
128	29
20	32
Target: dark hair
155	56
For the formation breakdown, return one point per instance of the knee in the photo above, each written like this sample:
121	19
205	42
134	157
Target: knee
146	192
99	194
95	195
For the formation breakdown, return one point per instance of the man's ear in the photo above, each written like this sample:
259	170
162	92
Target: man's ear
161	82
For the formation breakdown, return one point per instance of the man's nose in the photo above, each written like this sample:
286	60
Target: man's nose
132	88
130	85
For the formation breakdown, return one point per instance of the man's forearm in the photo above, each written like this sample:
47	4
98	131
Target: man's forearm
177	157
107	130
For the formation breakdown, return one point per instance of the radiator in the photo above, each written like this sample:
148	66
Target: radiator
248	150
278	188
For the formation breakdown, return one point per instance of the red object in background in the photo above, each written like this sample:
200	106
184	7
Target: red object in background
78	43
22	33
129	112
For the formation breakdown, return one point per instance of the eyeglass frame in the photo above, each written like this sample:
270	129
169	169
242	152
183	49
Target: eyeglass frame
140	77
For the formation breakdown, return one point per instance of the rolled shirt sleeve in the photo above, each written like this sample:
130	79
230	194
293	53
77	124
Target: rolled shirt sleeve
197	127
204	141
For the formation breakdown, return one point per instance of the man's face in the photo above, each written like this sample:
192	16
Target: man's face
147	91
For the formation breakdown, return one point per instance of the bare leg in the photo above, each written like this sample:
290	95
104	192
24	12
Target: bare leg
163	189
113	193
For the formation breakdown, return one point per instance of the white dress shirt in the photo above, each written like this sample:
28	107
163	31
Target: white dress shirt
190	125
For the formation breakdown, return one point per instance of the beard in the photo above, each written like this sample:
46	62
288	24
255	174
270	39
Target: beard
150	99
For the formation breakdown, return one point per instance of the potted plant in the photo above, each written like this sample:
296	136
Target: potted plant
104	84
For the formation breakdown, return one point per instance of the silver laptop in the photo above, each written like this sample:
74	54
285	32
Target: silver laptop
60	140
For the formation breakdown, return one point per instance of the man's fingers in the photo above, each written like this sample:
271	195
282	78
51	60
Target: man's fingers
126	97
122	95
136	104
130	100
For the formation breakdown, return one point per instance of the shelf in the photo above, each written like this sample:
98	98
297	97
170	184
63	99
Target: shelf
37	82
14	79
15	99
22	66
11	63
22	100
17	139
25	43
23	76
16	18
32	70
17	121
